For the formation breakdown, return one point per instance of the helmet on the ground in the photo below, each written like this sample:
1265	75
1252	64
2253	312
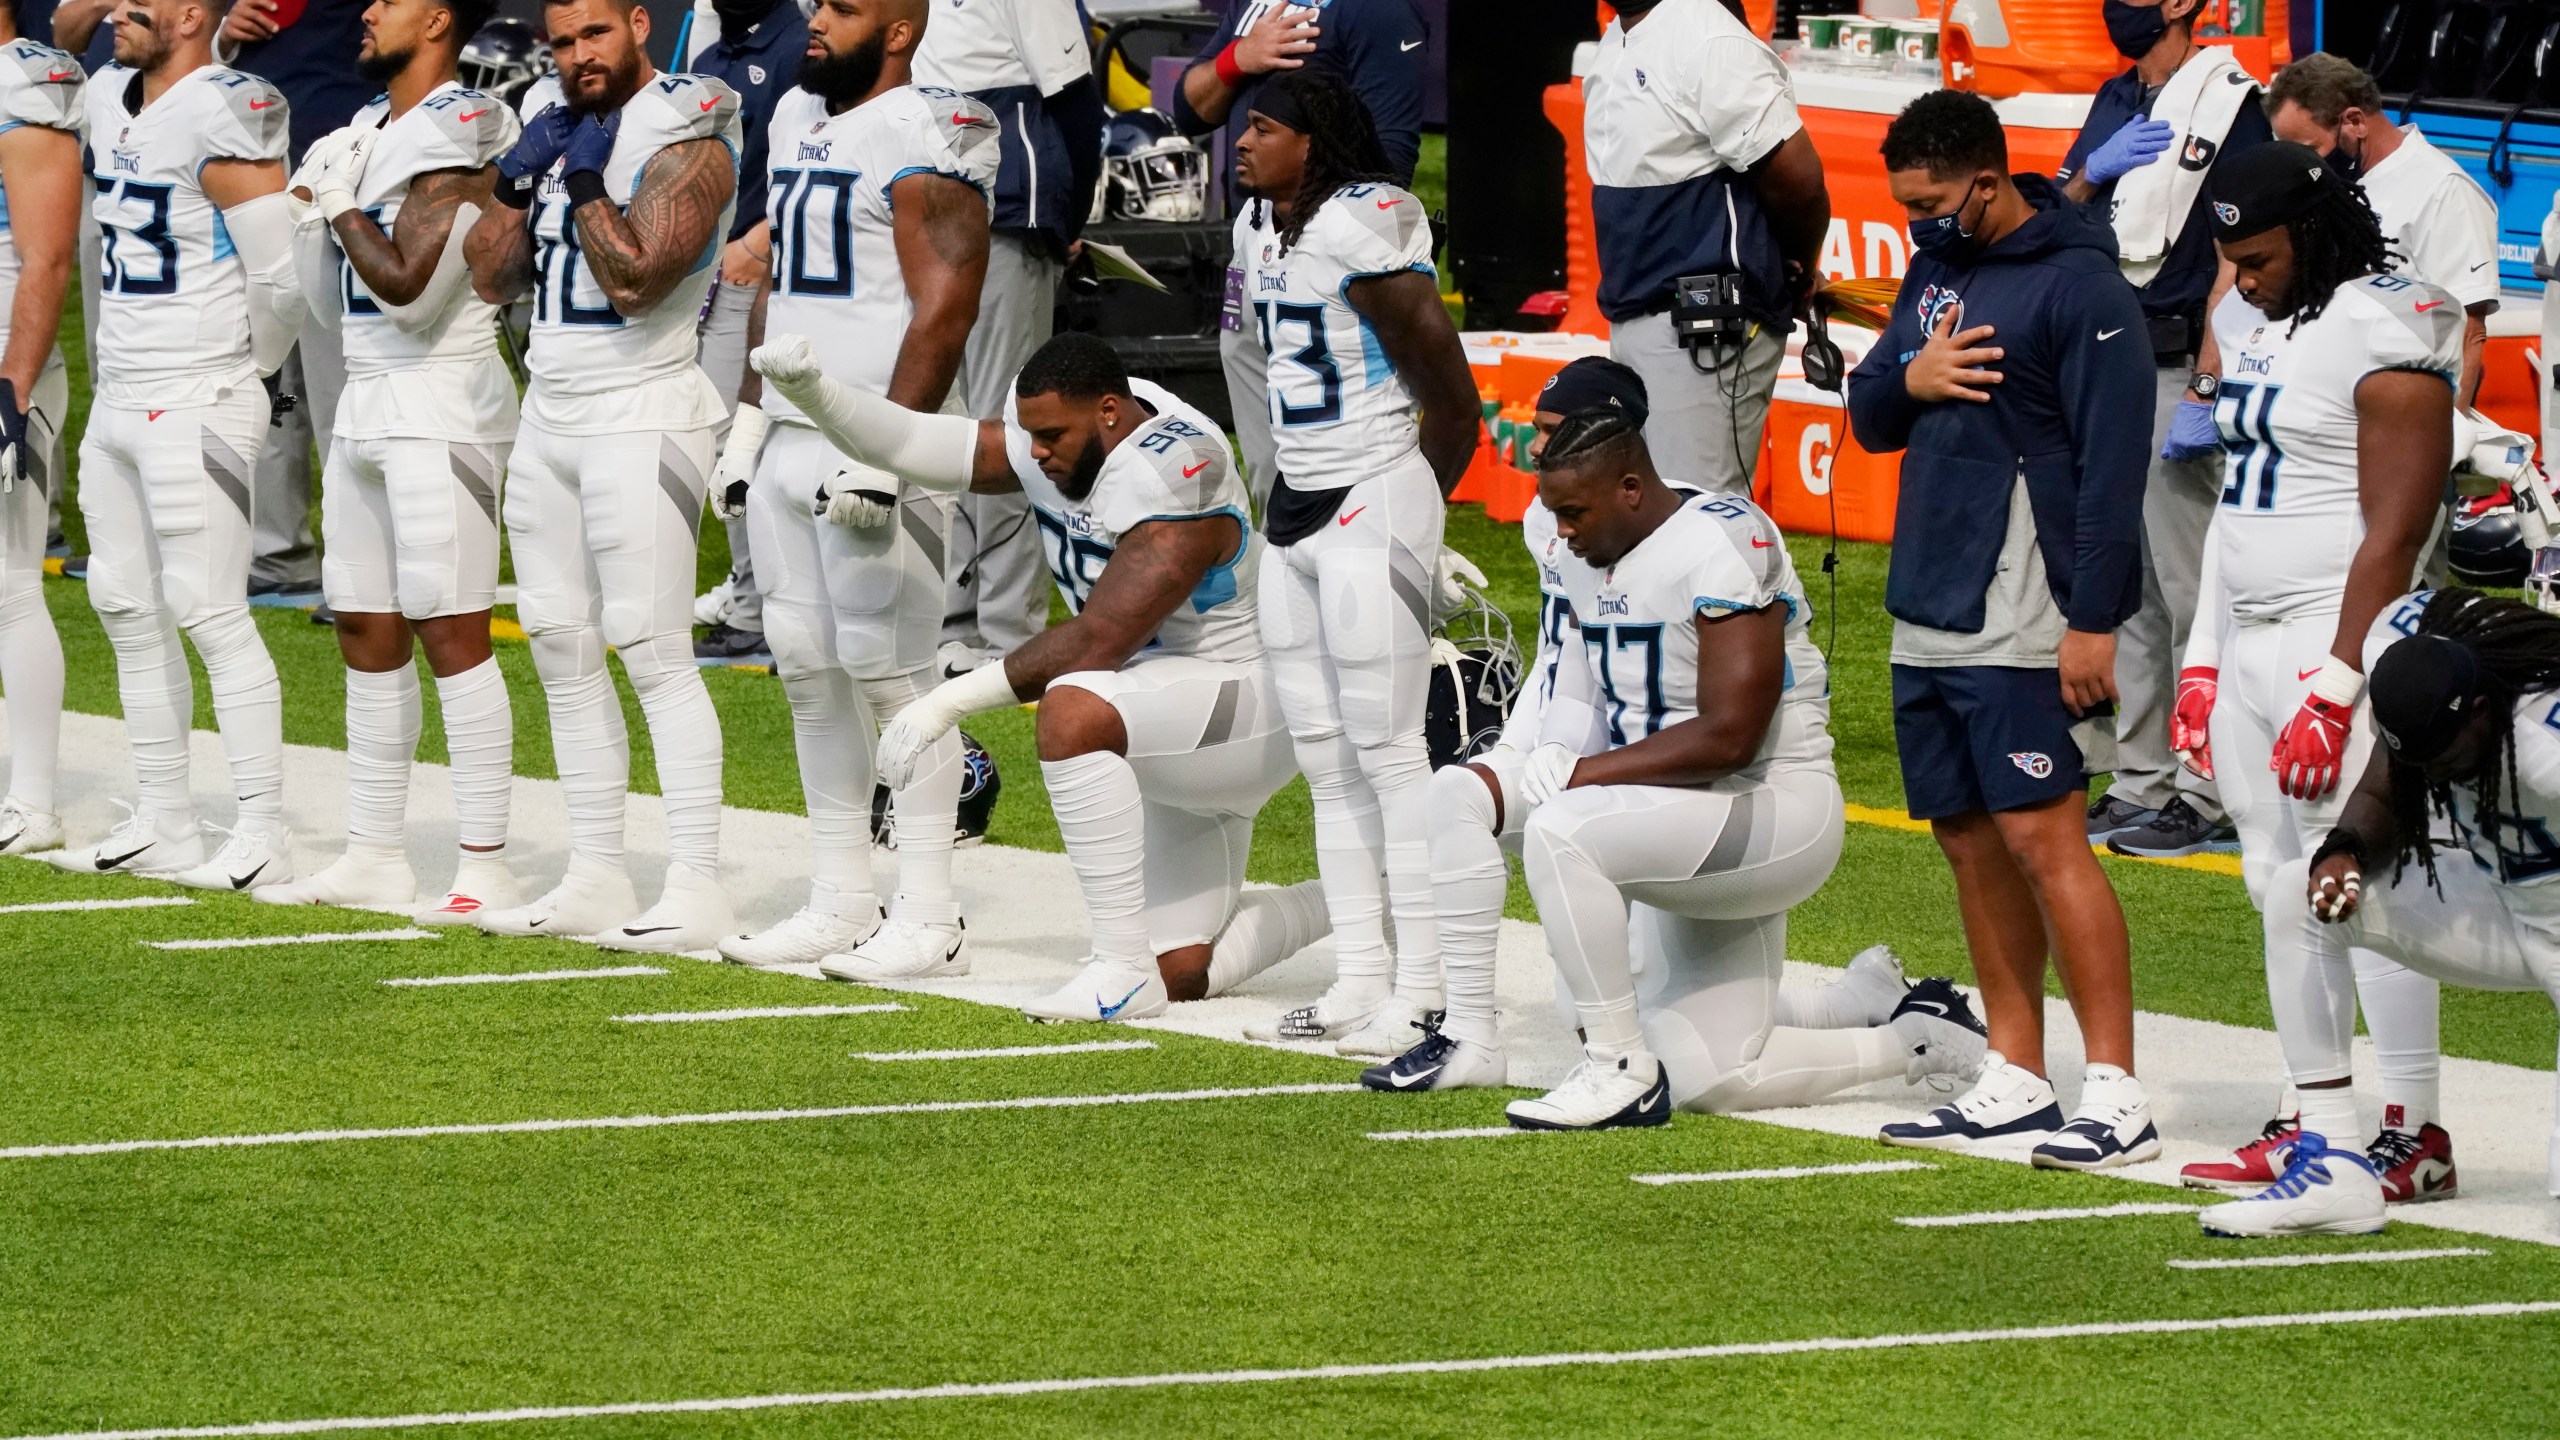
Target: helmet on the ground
2543	583
2487	549
503	58
1475	675
979	786
1150	171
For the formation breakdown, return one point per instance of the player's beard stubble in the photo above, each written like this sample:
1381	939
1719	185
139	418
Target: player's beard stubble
842	79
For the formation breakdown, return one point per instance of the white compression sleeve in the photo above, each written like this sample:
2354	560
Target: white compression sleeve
315	268
452	272
2204	639
934	452
262	231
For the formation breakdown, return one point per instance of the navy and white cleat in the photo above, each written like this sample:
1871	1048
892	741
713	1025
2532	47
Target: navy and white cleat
2007	1100
1633	1090
2112	1127
1946	1041
2323	1192
1440	1063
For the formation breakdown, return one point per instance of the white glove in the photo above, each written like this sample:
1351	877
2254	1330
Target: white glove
859	497
1454	569
932	716
737	463
786	360
307	176
340	156
1549	771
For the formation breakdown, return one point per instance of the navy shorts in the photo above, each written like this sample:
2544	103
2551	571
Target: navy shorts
1982	738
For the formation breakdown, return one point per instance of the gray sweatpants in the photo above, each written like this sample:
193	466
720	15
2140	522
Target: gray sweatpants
996	586
288	468
1705	427
2177	507
1248	371
723	357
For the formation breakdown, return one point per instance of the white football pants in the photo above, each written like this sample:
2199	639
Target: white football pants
30	651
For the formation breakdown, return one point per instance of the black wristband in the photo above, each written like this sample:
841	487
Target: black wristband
516	194
2341	841
583	186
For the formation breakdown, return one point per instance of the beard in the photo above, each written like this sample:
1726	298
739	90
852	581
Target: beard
382	64
622	82
843	79
1079	482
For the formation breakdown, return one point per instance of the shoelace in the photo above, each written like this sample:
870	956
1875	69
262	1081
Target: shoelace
2305	1171
2393	1149
1434	1050
134	823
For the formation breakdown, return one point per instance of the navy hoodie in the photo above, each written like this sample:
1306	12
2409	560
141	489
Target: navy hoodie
2072	413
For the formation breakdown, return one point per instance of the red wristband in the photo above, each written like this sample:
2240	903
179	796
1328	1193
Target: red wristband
1229	72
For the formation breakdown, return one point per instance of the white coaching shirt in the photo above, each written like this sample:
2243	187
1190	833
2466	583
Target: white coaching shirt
1339	411
973	45
2440	223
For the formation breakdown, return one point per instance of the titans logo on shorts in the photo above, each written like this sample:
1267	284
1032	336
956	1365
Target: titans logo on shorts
1982	738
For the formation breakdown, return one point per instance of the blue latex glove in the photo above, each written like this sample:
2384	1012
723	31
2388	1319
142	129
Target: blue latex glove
544	137
2192	433
2140	142
591	146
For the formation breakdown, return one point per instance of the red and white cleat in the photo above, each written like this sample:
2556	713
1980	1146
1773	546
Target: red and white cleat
2252	1167
2415	1165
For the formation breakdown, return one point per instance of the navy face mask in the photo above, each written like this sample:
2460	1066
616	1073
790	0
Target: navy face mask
2134	28
1946	238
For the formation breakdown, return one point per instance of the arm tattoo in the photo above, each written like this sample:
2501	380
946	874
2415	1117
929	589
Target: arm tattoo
395	267
640	252
1155	569
500	249
941	234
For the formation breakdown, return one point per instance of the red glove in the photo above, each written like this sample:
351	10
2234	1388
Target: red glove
2313	747
2191	718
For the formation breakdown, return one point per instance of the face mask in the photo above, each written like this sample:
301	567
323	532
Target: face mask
2350	168
1946	238
736	16
2135	28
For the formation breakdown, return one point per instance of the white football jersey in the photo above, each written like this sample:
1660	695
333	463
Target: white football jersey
2290	521
835	254
592	366
1177	467
448	381
1339	410
173	322
2526	851
39	86
1639	633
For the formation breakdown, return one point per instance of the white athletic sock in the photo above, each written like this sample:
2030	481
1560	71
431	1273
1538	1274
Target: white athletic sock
1468	881
2400	1013
31	677
1399	774
1101	820
383	720
480	738
159	699
248	703
589	745
925	816
684	734
1268	927
1350	850
833	732
2329	1111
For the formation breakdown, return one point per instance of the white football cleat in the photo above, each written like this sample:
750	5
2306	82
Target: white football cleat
917	942
819	930
1875	976
25	831
1938	1031
1105	989
1400	1024
591	896
1633	1090
1337	1013
1441	1062
134	847
2323	1192
481	882
251	857
367	877
692	914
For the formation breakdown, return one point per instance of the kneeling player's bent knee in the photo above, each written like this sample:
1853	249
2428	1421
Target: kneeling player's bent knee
1463	797
1073	720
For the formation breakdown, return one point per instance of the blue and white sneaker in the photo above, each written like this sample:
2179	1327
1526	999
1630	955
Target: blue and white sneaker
1946	1041
2112	1127
2006	1100
1441	1062
2323	1192
1107	988
1632	1090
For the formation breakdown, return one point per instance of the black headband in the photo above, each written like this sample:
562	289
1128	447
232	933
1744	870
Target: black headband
2424	690
1278	102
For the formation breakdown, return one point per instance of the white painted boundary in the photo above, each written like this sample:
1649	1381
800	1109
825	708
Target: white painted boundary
1786	1172
1006	1052
765	1012
1003	1389
651	1122
1478	1132
252	942
2344	1257
2023	1217
509	978
130	902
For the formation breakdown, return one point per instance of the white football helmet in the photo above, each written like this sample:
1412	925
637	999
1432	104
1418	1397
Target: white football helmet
1150	171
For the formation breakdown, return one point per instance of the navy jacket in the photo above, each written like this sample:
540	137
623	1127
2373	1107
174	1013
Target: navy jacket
1377	44
2186	273
760	65
2072	413
313	61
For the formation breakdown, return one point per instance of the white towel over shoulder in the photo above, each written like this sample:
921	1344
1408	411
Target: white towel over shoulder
2151	203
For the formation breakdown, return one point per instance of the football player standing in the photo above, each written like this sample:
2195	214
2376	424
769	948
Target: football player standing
609	207
198	300
409	490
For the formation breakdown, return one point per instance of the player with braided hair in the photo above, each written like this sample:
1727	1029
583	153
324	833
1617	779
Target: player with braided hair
2336	410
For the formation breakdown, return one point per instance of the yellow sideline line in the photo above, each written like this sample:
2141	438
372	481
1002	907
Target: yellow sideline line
1895	820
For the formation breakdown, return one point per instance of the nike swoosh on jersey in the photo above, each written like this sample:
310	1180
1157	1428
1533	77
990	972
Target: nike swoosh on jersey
1107	1011
1347	519
1759	544
2306	674
153	414
1190	471
714	100
1390	204
1410	46
54	79
967	120
2426	305
2110	334
260	104
470	115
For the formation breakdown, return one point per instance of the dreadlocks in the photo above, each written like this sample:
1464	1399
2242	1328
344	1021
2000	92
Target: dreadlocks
2335	241
1342	144
2518	651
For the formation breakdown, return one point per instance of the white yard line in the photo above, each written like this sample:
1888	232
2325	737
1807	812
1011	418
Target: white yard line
252	942
1786	1172
2026	1217
1005	1389
651	1122
508	978
765	1012
1006	1052
1477	1132
2344	1257
129	902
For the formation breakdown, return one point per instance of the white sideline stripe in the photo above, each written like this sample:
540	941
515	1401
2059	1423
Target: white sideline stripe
1833	1344
510	978
766	1012
1479	1132
1787	1172
650	1122
2022	1217
250	942
1004	1052
2350	1257
130	902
